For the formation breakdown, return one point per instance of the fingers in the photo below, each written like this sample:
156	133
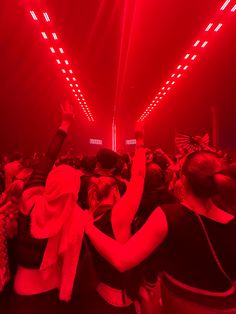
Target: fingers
62	107
139	131
66	106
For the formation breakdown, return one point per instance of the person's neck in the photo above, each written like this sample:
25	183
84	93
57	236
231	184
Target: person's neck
200	206
207	208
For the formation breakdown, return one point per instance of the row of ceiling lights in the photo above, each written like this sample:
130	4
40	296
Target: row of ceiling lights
189	58
55	47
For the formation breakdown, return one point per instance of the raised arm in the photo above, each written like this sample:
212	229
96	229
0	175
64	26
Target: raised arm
126	208
39	175
141	245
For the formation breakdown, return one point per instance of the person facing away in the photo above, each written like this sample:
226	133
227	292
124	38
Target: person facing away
106	161
193	241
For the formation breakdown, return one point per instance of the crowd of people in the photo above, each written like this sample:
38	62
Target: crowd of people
116	233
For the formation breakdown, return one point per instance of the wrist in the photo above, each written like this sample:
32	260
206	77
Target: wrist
139	143
65	125
88	228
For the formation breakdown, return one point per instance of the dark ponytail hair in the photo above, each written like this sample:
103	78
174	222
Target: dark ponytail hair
208	176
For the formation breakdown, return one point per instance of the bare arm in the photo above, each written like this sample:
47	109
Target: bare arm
141	245
125	209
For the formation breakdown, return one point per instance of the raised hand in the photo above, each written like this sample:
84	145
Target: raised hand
139	134
67	111
67	115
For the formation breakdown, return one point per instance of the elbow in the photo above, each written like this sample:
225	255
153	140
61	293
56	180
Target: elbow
121	264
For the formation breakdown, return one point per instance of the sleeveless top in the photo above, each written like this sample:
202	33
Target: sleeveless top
126	281
29	251
185	252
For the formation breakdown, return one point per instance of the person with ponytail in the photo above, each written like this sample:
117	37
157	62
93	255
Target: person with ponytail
113	215
193	242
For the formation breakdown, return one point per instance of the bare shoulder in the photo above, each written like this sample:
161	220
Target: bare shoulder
158	218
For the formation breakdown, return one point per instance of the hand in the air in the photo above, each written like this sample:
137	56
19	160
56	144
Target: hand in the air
67	112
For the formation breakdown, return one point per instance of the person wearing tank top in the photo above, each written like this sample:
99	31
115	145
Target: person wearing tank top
193	243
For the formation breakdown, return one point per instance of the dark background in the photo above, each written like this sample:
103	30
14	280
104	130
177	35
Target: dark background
122	51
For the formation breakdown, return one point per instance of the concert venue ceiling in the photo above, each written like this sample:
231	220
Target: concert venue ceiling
122	52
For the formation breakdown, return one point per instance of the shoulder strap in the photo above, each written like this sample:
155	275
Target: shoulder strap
214	253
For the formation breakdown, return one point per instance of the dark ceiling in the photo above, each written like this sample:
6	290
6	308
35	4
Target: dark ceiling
122	50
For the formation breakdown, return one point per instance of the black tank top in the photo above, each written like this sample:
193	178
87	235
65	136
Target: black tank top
29	251
185	253
128	281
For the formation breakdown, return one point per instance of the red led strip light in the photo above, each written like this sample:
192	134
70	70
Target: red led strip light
54	43
189	57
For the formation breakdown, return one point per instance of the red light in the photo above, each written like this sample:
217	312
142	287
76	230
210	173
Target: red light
225	5
163	87
187	55
61	50
66	62
168	88
173	75
63	71
167	82
73	90
218	27
46	17
164	93
76	85
179	75
209	27
74	79
71	72
67	79
194	57
179	67
54	35
33	15
44	35
52	50
173	83
58	61
234	8
204	44
196	43
186	66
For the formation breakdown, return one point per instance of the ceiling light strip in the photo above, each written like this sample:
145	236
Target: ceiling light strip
55	47
190	57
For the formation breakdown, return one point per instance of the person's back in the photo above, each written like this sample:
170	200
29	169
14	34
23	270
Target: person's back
198	255
193	242
186	255
106	161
